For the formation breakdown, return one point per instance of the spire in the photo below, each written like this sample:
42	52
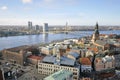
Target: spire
96	33
96	27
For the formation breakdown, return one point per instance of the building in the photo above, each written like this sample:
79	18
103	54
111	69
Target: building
37	27
48	50
1	75
30	27
104	63
60	75
15	55
86	65
100	44
45	27
52	64
34	59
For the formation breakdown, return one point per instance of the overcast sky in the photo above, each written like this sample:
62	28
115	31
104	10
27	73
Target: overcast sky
57	12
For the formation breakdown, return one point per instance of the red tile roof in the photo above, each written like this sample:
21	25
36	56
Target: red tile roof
36	57
102	34
93	49
85	61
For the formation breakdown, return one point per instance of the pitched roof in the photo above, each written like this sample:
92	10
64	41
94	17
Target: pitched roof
100	42
74	54
94	49
85	61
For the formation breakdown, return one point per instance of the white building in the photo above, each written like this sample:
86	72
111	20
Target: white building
48	50
52	64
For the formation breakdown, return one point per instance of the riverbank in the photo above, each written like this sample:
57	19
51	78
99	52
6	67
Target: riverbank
14	41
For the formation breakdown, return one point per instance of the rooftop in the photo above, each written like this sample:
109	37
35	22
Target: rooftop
60	75
93	49
63	60
36	57
74	54
17	49
85	61
100	42
108	58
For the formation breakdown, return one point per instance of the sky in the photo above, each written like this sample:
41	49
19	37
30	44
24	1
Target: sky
58	12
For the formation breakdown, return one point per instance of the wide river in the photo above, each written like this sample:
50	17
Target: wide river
14	41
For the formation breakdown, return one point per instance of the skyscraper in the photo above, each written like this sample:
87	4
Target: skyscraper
45	27
37	27
29	25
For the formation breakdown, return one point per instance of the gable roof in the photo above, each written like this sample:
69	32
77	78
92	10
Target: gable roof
85	61
101	42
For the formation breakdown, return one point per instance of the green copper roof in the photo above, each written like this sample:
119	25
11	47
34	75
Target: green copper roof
60	75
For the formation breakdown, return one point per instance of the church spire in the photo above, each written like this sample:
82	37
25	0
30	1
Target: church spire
96	27
96	33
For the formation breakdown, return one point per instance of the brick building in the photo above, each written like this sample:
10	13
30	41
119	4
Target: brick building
15	55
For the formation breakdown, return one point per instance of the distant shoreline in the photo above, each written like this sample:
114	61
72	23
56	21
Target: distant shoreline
8	35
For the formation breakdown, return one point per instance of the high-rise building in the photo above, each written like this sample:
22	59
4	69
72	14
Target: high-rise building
37	27
30	25
45	27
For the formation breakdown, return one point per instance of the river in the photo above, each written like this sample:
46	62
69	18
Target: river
14	41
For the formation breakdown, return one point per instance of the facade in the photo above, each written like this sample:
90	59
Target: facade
83	52
60	75
30	27
47	50
45	27
47	69
89	53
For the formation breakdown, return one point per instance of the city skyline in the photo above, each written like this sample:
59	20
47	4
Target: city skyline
57	12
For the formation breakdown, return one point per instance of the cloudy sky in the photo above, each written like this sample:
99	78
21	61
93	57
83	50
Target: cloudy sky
57	12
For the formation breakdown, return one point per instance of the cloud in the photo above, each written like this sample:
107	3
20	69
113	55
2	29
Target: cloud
48	0
4	8
27	1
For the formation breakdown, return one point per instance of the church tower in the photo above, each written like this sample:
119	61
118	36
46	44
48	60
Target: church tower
57	61
95	36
